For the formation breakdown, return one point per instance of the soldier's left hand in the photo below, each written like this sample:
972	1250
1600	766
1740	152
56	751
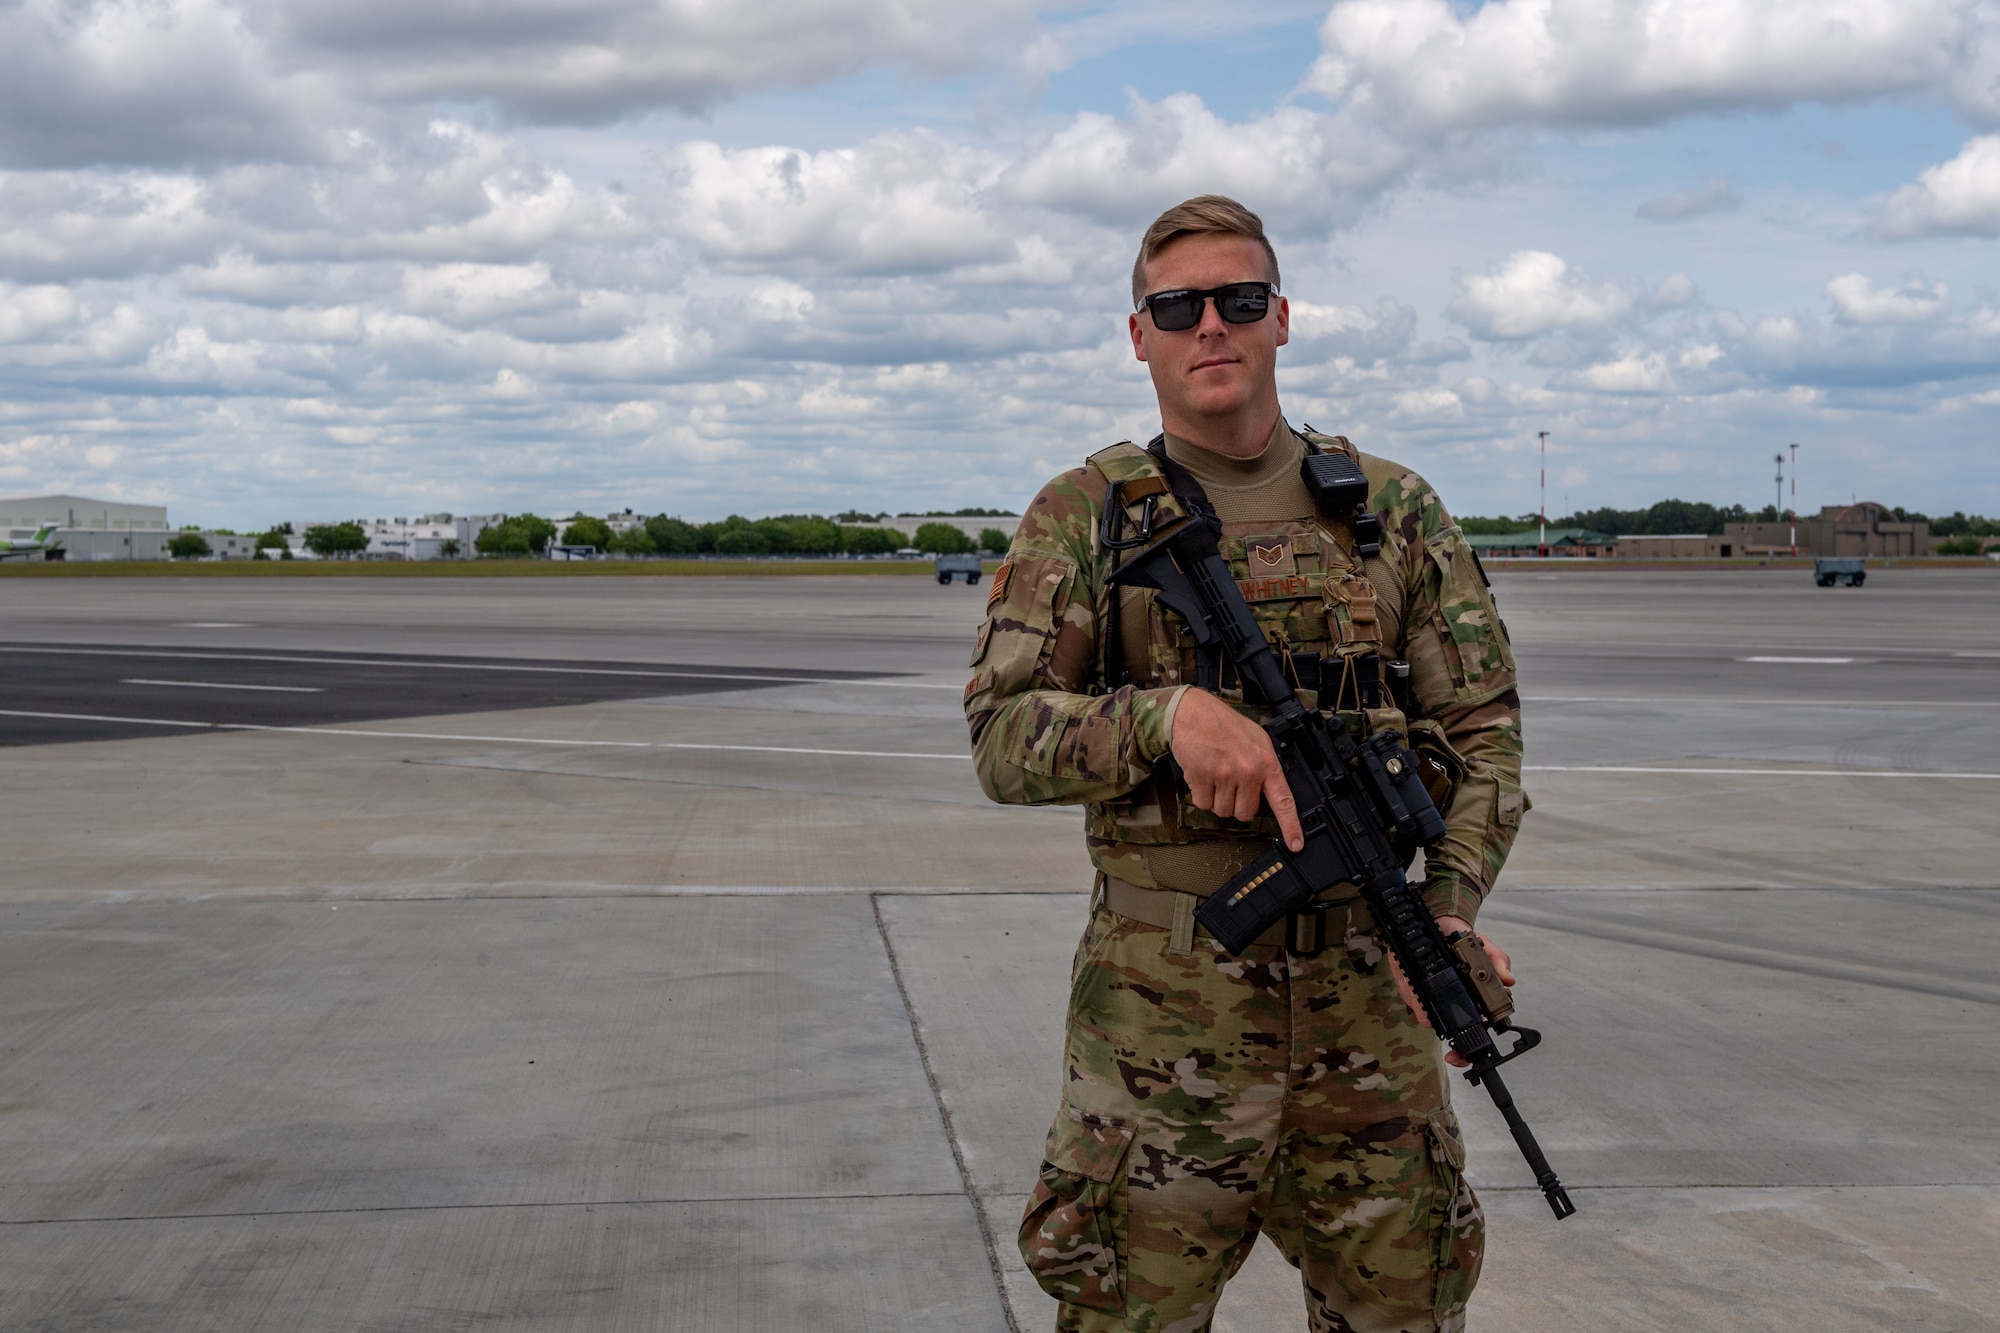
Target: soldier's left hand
1451	925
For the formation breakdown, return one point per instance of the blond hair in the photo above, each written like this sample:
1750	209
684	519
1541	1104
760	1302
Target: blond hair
1205	214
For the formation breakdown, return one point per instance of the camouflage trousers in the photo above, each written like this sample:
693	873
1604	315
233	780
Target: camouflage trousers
1209	1098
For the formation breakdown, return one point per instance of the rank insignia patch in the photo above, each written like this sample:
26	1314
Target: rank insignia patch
1270	555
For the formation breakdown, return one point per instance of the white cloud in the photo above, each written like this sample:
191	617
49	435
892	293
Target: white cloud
1960	196
1639	373
237	276
1886	347
191	358
471	293
1533	293
1299	166
128	81
1350	333
1419	64
33	312
76	224
1429	405
897	203
1856	300
779	302
435	305
205	81
510	383
585	60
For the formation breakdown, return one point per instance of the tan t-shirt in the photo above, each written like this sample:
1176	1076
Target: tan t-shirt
1264	489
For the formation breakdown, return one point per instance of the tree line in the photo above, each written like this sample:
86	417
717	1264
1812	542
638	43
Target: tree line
786	534
662	534
1669	517
811	534
1663	519
1958	524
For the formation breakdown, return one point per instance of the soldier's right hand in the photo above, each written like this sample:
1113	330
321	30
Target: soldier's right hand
1229	764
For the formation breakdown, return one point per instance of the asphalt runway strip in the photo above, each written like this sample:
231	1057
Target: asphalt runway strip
56	694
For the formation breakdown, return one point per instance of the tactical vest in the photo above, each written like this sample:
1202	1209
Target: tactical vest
1311	593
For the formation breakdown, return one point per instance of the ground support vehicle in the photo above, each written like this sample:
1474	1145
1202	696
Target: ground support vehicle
1849	569
950	567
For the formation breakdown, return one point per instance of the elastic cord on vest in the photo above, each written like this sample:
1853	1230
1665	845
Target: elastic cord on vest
1114	670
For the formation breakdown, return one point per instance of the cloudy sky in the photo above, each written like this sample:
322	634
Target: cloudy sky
262	259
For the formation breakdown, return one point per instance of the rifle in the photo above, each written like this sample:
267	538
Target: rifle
1364	812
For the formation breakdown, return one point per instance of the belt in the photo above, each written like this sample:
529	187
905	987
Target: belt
1301	933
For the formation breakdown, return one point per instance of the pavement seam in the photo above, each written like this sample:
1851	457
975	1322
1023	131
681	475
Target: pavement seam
1800	886
469	1207
944	1112
1752	1187
590	894
1672	941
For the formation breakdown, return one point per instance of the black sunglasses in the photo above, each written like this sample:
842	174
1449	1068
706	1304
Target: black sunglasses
1237	303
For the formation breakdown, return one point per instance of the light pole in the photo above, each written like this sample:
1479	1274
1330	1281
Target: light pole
1542	546
1795	498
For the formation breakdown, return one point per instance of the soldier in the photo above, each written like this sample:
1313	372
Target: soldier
1208	1098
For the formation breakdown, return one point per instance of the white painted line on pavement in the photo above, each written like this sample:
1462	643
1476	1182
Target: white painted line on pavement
224	685
483	740
1976	654
434	736
790	749
909	754
1755	772
912	754
623	745
1803	661
214	624
484	666
1939	705
99	717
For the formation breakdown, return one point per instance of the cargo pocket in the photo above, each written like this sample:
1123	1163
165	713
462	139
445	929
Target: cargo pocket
1043	752
1090	748
1070	1236
1458	1226
1468	629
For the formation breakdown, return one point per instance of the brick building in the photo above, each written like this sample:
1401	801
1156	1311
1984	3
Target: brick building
1866	528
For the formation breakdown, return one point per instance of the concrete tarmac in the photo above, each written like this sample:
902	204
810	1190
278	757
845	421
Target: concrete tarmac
731	1004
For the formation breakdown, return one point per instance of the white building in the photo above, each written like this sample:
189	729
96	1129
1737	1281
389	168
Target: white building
429	537
971	527
21	516
88	529
89	544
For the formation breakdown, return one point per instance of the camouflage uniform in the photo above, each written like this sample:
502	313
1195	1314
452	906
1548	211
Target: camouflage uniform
1209	1097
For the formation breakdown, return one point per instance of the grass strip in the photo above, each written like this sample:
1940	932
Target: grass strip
449	569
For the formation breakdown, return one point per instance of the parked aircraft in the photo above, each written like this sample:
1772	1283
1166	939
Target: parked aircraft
29	548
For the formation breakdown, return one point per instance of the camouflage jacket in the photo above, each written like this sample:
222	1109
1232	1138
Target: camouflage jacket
1047	730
